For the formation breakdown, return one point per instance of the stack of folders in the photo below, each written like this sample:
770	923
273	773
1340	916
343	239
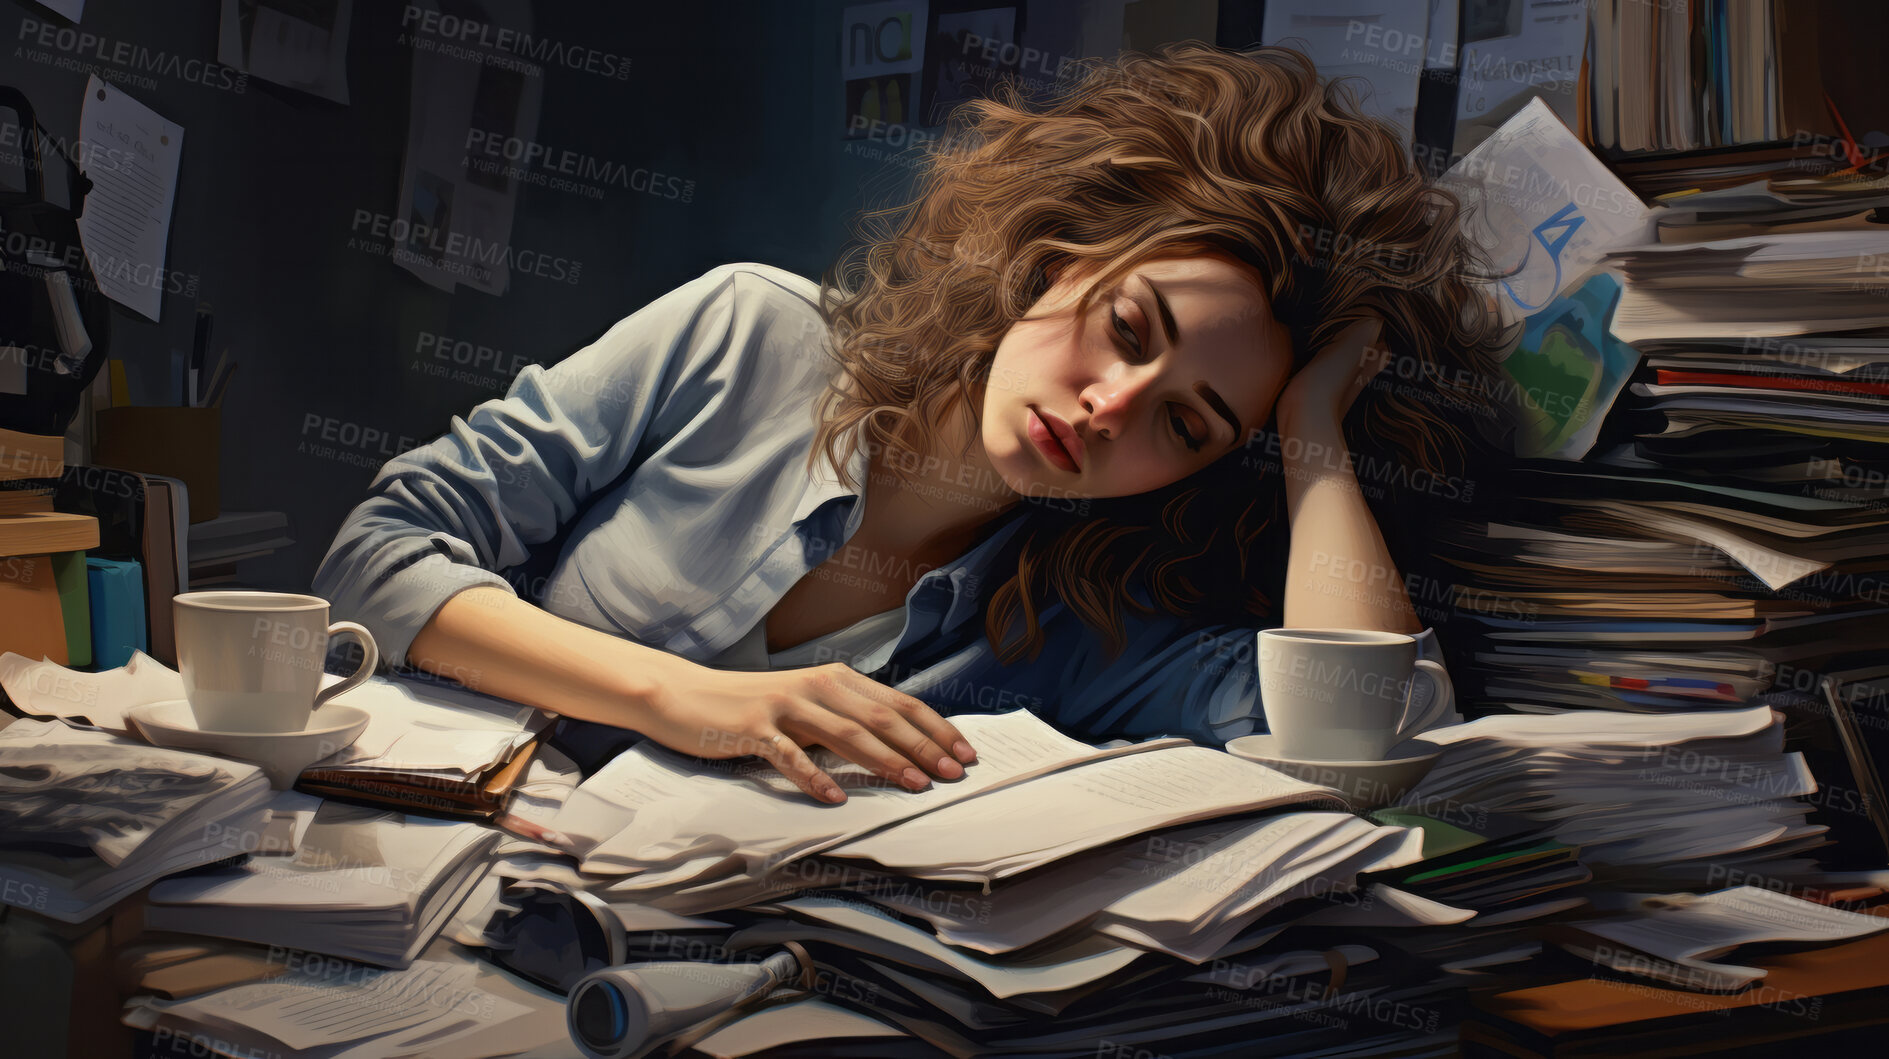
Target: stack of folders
1668	78
1729	536
362	884
1633	588
432	747
88	817
1502	866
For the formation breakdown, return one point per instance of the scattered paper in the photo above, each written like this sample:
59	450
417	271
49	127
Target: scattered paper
1027	826
131	155
311	1010
750	816
1674	936
44	688
1542	207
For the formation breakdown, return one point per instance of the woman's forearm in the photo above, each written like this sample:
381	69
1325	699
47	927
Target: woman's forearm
1339	573
496	643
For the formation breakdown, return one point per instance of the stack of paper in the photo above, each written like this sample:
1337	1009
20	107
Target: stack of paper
1651	590
432	746
88	817
677	829
363	884
1678	796
445	1004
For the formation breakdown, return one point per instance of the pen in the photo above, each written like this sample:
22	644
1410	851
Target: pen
536	832
197	351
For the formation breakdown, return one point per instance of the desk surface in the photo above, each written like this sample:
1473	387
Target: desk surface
1804	994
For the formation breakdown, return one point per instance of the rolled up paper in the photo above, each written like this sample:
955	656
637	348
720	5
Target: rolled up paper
626	1012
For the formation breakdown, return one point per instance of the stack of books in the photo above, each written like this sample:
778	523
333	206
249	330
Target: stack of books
1713	93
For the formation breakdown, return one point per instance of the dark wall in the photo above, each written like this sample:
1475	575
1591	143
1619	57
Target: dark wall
742	101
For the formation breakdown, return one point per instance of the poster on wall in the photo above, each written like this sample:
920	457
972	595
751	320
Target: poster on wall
454	220
1515	51
966	53
882	58
299	44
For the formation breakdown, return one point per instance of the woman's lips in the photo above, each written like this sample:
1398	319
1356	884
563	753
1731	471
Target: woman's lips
1048	433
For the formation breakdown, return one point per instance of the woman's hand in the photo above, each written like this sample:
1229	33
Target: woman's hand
717	713
1323	391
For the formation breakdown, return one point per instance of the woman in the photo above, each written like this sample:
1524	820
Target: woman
1049	380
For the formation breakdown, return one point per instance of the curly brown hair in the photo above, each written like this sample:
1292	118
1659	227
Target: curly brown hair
1188	150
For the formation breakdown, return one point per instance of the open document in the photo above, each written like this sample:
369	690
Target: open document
654	809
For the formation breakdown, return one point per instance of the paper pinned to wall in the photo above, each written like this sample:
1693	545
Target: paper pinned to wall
131	154
302	44
1513	52
1377	44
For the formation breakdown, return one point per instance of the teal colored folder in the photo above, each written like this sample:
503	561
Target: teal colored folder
117	597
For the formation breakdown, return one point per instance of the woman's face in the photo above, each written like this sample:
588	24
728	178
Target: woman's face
1165	374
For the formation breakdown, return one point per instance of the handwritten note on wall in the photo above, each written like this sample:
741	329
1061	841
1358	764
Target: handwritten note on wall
131	155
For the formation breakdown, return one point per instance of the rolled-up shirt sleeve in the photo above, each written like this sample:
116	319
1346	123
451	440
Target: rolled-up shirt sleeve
1201	683
451	514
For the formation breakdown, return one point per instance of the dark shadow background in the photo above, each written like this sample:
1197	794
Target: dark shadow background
744	99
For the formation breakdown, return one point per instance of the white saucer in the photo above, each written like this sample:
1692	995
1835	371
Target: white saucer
282	755
1365	784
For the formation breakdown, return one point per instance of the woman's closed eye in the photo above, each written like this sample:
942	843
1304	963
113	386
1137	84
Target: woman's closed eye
1129	340
1131	345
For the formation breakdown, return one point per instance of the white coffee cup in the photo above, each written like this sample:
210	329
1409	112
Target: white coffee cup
252	661
1346	694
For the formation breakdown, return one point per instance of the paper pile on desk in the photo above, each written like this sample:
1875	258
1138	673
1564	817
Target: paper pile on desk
88	817
1670	796
1054	872
363	884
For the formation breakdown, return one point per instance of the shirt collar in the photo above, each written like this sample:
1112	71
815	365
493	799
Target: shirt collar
965	580
826	485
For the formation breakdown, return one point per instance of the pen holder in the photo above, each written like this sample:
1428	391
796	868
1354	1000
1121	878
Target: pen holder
175	441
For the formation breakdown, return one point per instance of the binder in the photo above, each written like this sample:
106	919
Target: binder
141	518
115	591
